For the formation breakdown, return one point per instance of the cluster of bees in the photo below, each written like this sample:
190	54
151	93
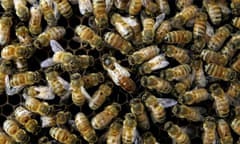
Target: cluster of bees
177	63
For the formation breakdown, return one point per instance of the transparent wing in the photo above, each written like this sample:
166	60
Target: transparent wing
85	93
130	20
45	92
167	102
46	121
210	30
65	84
121	70
85	6
74	2
159	20
158	62
109	4
56	11
56	47
11	91
47	63
113	76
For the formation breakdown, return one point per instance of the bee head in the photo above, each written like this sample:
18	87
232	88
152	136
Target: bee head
176	109
168	125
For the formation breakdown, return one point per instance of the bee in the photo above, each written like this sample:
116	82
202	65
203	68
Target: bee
21	65
85	7
84	127
7	4
23	35
155	83
5	68
100	13
233	90
93	79
178	37
121	4
214	11
163	6
64	8
123	28
156	63
119	75
149	138
48	12
21	9
194	96
35	20
6	23
209	131
135	7
61	118
182	86
200	25
221	101
129	130
63	135
24	117
5	139
40	92
44	140
236	22
137	108
151	7
177	73
177	53
236	64
235	123
187	112
104	118
148	32
235	6
197	67
164	28
144	54
114	132
99	96
231	47
181	4
176	133
12	128
213	57
87	35
217	40
220	72
38	107
48	121
224	132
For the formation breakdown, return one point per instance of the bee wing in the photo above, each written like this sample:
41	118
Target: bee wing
46	121
159	20
56	47
85	6
11	91
56	11
65	84
85	93
138	138
167	102
224	8
158	62
130	20
121	70
113	76
144	2
47	63
109	4
209	30
45	92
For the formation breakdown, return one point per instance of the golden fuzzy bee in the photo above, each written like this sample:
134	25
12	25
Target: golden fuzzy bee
24	117
194	96
235	6
209	131
178	37
119	74
36	106
23	35
84	127
148	32
214	11
177	73
200	25
220	72
231	46
40	92
5	68
35	20
177	53
189	113
63	135
236	22
149	138
64	8
176	133
162	30
85	7
235	123
224	132
221	101
233	90
5	27
48	12
104	118
213	57
135	7
21	9
59	119
197	67
7	4
137	108
184	85
129	130
118	43
12	128
236	64
93	79
114	132
217	40
5	139
163	6
21	65
150	6
123	28
144	54
87	35
181	4
155	83
100	13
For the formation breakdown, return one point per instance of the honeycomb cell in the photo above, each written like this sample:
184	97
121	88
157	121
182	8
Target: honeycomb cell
3	99
7	109
73	44
74	21
14	100
69	34
2	119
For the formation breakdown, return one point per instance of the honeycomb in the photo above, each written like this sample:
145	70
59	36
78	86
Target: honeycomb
9	103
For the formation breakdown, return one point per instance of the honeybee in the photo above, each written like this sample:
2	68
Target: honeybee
63	135
123	28
93	79
61	118
7	4
5	139
235	123
156	106
135	7
12	128
48	12
236	64
118	43
231	47
21	65
233	90
149	138
224	132
156	63
162	30
129	130
5	68
153	82
200	25
236	22
221	101
5	27
176	133
84	127
163	6
209	131
64	8
100	13
99	96
52	33
102	119
235	6
87	35
220	72
181	4
144	54
213	57
194	96
119	75
148	32
137	108
44	140
114	132
48	121
214	11
40	92
151	7
21	9
24	117
23	35
182	86
35	20
197	67
36	106
177	53
121	4
178	37
187	112
85	7
176	73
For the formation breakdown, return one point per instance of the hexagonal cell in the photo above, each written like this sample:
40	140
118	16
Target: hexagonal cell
14	100
3	99
7	109
73	44
2	119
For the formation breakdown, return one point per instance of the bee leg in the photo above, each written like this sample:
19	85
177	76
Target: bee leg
11	91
